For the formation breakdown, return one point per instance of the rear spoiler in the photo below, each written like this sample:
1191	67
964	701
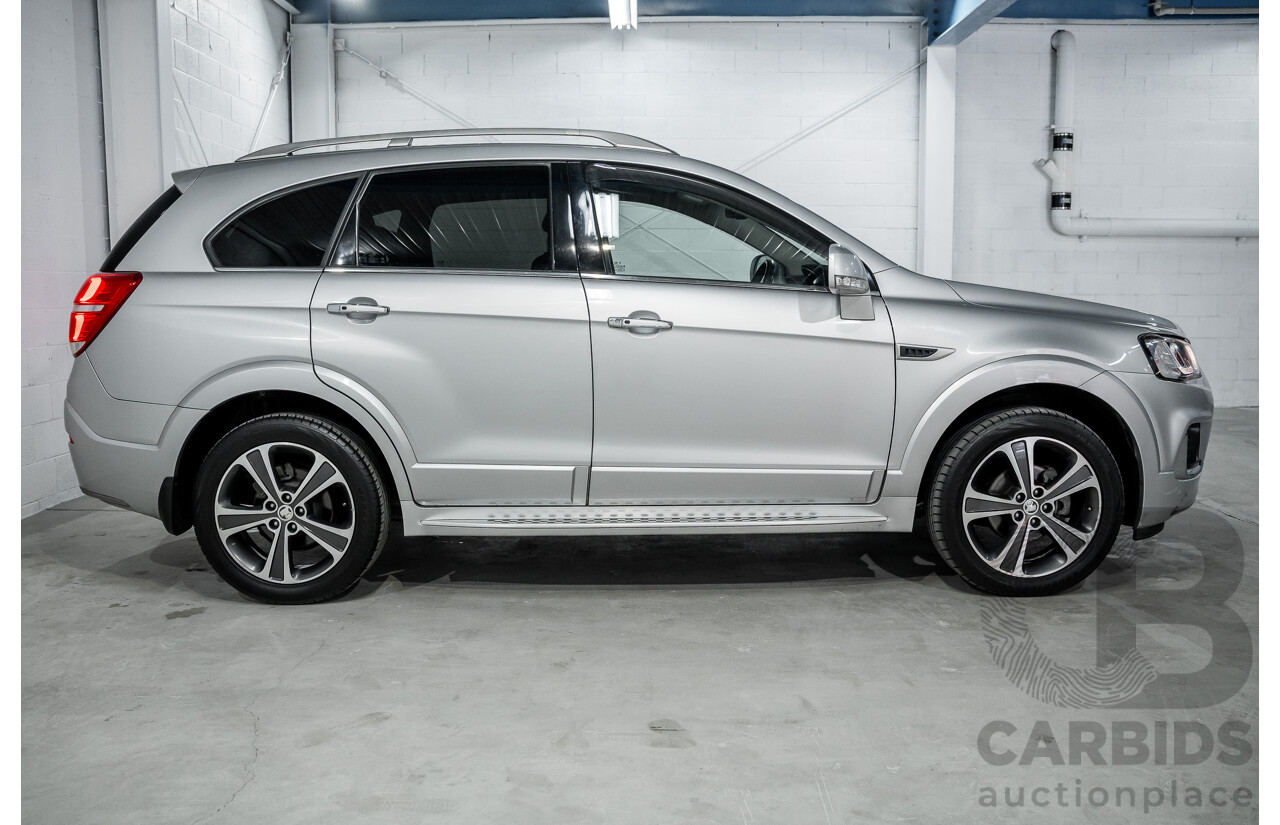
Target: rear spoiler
186	177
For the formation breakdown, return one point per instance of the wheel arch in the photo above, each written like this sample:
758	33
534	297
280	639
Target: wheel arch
1084	406
231	413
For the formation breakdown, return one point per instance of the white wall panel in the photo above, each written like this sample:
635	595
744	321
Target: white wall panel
721	92
225	54
64	226
1166	127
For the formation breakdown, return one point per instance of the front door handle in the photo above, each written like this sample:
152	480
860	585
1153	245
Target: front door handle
641	323
359	309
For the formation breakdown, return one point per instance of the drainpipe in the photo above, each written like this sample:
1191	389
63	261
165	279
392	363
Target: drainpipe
1058	170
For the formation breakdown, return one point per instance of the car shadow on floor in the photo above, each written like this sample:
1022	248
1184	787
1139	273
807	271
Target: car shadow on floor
705	562
659	561
1197	538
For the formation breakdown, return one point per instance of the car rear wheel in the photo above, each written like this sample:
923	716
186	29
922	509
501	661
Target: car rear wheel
1026	501
290	510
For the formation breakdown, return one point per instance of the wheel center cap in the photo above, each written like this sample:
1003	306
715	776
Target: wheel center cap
1031	507
286	512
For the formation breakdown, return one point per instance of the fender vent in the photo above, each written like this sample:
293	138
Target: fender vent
916	352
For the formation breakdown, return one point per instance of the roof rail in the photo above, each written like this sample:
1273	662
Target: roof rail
397	139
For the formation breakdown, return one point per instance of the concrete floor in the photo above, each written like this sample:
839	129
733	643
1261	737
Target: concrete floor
821	679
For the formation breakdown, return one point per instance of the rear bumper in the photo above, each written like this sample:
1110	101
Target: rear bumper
124	457
117	472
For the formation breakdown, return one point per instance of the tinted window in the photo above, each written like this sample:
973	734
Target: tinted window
471	218
291	230
662	226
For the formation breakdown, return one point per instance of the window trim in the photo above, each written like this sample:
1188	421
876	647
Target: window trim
421	270
658	279
597	251
351	221
207	244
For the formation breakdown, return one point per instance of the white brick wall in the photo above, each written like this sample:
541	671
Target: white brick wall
721	92
63	224
225	54
1166	127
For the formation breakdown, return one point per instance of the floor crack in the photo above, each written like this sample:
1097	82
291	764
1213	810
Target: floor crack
1216	509
250	766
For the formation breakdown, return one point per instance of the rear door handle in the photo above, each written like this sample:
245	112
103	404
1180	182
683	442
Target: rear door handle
359	309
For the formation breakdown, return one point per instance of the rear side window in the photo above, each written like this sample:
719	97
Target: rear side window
292	230
490	218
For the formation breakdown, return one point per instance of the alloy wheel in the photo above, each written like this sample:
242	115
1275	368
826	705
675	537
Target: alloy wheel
1031	506
284	513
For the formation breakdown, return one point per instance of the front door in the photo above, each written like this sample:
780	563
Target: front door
723	371
449	306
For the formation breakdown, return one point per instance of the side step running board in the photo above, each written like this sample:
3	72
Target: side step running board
636	520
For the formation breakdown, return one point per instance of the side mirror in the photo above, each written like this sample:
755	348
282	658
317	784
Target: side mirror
765	270
848	279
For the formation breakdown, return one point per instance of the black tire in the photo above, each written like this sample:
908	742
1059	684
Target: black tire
268	551
983	508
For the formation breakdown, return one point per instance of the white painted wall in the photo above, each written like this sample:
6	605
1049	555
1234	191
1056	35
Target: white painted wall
1166	127
721	92
64	228
225	54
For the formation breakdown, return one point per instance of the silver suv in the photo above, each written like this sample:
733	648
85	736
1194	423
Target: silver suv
553	332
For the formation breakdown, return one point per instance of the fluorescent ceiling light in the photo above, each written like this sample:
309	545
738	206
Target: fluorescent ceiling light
622	14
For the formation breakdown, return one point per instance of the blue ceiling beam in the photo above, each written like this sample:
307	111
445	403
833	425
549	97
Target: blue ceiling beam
942	13
1106	9
412	11
957	19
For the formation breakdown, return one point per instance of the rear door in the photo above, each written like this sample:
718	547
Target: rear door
724	373
450	303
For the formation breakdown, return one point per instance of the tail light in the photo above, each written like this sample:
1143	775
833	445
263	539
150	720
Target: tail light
100	298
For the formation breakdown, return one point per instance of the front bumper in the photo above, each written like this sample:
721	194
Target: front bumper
1179	417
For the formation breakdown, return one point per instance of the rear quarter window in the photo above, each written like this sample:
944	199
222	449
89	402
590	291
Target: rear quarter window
289	230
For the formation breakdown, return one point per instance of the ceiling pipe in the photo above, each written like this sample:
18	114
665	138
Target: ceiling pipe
1058	170
1161	9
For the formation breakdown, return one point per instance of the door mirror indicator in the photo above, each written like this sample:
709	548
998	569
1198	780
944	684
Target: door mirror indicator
849	280
848	273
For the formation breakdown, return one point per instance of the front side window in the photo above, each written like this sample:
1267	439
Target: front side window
655	225
292	230
490	218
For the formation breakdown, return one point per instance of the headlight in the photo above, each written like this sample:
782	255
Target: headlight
1171	358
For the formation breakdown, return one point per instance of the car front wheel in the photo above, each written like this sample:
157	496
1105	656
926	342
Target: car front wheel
1026	501
290	510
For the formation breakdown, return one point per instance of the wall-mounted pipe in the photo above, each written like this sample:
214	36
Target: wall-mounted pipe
1058	170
